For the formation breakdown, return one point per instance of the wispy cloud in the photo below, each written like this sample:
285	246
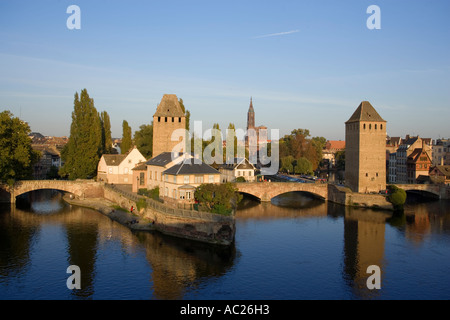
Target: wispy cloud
277	34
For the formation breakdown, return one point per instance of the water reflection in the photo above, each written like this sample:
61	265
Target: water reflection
40	240
82	238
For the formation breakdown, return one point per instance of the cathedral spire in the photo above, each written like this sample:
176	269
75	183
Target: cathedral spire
251	115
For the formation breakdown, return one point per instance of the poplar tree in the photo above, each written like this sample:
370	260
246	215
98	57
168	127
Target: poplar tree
127	143
106	133
143	139
83	150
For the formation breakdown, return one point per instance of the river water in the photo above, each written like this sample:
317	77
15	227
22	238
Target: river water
293	248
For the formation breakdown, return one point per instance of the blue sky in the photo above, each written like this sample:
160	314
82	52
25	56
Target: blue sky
307	64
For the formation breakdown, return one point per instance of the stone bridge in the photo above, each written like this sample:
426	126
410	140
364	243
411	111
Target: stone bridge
80	188
266	191
440	191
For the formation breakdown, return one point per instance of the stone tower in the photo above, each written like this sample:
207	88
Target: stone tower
168	117
365	150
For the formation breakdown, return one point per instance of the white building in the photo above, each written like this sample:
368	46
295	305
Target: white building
117	168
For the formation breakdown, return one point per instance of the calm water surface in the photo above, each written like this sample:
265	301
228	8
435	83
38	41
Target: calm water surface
293	248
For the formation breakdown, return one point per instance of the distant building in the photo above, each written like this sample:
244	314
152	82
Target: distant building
441	152
255	136
365	150
117	168
440	174
418	164
169	116
408	146
330	149
240	167
50	157
392	168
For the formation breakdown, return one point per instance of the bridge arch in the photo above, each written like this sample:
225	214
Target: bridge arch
426	190
80	188
266	191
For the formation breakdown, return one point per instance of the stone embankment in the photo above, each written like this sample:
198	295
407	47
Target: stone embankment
346	197
150	214
108	208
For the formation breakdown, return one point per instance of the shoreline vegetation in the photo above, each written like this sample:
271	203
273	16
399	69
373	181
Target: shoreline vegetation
114	212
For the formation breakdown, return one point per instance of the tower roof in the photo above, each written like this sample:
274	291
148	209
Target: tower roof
169	107
365	112
250	109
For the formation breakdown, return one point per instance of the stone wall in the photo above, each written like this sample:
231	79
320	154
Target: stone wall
345	196
189	224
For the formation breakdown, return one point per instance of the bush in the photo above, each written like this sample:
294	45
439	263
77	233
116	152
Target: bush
152	193
217	198
141	204
397	197
240	179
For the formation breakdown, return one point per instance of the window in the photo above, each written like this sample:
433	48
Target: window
381	126
166	119
174	179
375	126
174	193
110	170
166	192
367	174
198	179
188	195
173	119
159	119
370	126
141	178
364	126
179	119
125	170
150	175
186	179
166	177
211	178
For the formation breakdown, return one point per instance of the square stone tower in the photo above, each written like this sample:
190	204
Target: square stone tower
365	150
169	116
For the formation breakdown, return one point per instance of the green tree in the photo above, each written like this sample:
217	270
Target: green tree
299	144
186	112
220	198
127	142
287	164
16	155
106	133
303	166
397	197
143	138
339	157
83	150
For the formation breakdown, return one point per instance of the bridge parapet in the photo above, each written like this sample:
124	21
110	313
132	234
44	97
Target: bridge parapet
266	191
80	188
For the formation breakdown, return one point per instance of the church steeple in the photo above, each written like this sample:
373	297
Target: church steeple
251	116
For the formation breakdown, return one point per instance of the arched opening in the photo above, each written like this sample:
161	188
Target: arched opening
43	201
420	196
298	199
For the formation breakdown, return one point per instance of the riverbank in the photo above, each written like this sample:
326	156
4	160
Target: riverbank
109	209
